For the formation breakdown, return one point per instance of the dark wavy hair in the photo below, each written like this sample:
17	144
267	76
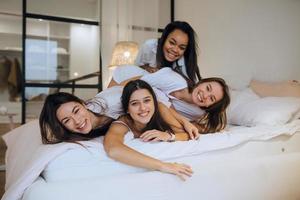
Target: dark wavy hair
215	118
156	121
52	131
190	54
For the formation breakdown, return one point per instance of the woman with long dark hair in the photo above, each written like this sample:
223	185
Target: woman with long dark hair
65	118
143	120
176	48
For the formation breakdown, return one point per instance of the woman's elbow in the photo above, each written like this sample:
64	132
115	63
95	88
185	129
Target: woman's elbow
111	149
112	153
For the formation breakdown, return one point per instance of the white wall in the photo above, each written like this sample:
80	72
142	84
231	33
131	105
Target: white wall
118	16
84	50
243	39
82	9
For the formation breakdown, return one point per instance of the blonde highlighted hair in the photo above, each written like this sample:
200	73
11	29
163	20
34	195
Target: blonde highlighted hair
215	118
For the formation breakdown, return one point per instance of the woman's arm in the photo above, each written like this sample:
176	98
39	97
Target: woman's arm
190	128
149	68
123	83
117	150
184	129
177	127
112	83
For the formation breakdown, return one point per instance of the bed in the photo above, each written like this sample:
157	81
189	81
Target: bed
258	157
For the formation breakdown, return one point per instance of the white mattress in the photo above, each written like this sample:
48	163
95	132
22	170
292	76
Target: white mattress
88	162
254	170
61	165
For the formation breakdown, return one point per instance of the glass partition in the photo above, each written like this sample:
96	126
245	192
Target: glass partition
59	51
10	66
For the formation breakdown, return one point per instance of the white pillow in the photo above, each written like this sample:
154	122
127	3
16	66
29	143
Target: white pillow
22	143
239	98
247	109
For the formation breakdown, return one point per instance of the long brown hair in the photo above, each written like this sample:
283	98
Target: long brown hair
52	131
156	122
215	118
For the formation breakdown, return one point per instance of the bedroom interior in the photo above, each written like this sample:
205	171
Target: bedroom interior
253	45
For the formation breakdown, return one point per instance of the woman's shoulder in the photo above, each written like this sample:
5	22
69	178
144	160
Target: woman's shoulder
122	122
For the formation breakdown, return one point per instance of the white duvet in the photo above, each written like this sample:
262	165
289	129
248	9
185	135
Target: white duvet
27	157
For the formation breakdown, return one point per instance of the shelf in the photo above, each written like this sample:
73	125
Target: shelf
13	50
62	70
11	34
55	37
60	54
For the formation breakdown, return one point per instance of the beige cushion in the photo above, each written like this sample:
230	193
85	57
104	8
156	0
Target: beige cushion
278	89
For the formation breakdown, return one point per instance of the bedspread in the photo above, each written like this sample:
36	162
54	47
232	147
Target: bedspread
27	157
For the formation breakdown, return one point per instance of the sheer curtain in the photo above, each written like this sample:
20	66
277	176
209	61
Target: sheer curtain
126	20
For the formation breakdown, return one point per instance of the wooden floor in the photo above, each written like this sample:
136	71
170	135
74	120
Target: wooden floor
4	128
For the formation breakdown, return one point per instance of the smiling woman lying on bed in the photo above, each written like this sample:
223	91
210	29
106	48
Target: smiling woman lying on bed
204	104
64	118
143	121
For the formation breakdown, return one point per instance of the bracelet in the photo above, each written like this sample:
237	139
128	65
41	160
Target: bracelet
172	139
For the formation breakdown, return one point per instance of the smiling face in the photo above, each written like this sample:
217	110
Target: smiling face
141	107
75	117
175	45
207	93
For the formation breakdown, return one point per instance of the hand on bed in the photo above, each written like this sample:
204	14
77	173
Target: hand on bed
191	129
155	136
183	171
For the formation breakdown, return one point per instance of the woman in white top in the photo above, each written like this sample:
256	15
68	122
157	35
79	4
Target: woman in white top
176	48
205	104
108	103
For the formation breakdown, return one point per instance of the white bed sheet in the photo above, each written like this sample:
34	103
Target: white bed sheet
217	175
85	163
178	151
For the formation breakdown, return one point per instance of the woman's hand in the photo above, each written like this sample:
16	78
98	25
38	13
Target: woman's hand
149	68
183	171
191	129
155	136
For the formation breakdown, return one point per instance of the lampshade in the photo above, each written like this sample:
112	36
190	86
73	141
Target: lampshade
124	53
